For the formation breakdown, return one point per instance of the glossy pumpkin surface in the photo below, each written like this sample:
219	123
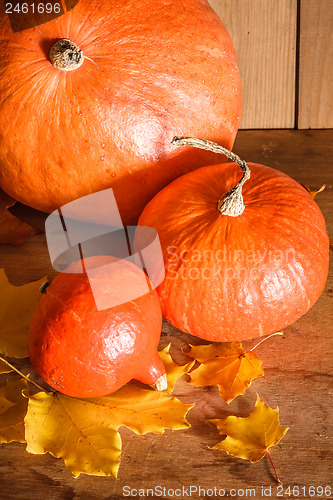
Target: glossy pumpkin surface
85	352
158	69
236	278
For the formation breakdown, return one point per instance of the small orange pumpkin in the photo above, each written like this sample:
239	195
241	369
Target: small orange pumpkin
244	256
85	352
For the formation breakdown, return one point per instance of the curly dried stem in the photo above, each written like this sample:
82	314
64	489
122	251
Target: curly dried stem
231	203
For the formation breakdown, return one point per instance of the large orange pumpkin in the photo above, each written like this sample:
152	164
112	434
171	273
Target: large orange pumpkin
85	352
239	264
154	69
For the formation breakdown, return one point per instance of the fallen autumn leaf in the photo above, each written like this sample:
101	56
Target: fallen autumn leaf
13	408
18	304
174	371
250	437
227	365
84	433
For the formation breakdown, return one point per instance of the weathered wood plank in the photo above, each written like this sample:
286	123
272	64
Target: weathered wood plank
264	36
316	64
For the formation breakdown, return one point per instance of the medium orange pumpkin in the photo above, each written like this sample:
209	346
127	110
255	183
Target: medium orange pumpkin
239	264
154	68
85	352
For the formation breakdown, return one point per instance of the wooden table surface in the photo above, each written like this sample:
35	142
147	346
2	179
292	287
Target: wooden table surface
298	378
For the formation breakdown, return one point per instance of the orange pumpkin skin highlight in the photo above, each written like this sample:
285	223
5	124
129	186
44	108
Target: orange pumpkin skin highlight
237	278
83	352
163	68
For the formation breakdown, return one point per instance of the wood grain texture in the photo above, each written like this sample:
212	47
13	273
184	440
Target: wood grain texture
264	36
298	379
316	64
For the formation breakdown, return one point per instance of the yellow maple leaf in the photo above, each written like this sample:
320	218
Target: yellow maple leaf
144	410
13	407
12	230
250	437
84	432
18	304
71	429
174	371
227	365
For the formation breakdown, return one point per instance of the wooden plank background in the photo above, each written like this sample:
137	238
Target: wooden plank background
316	63
285	56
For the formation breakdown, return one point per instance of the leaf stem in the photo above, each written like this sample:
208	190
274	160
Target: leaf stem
277	477
266	338
22	374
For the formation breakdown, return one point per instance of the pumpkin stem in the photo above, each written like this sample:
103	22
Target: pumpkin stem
154	374
161	384
66	55
231	203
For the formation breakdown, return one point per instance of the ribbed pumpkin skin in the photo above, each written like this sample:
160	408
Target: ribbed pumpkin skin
83	352
240	277
164	68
